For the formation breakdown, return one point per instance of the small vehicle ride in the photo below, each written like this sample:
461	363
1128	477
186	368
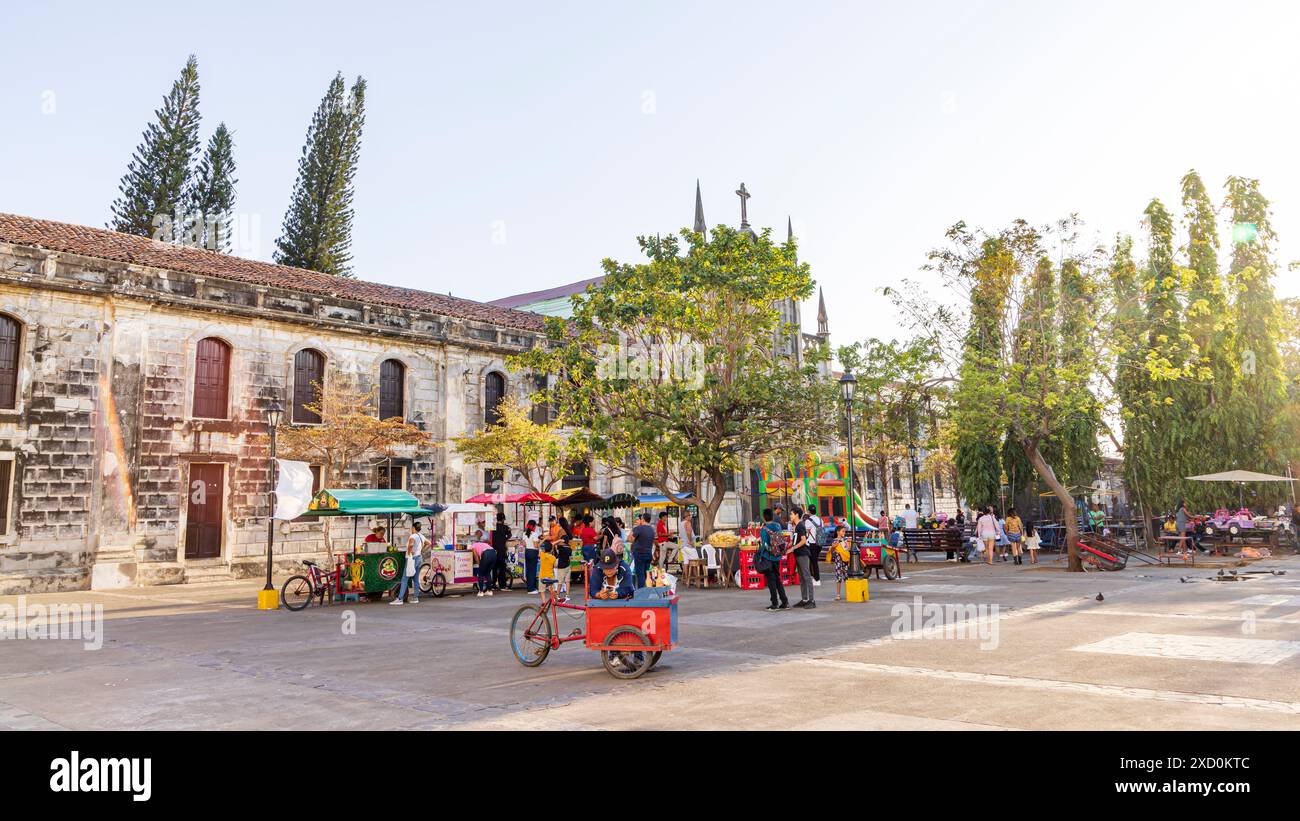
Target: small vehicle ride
630	634
1231	523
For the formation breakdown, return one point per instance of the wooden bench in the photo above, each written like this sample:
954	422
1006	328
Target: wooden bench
945	539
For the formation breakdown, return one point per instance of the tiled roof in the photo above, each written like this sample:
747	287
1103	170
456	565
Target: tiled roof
550	293
110	245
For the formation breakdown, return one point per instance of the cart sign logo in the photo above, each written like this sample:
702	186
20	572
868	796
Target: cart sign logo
388	568
869	554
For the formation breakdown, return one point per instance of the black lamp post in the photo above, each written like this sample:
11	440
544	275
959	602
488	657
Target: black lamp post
274	414
848	382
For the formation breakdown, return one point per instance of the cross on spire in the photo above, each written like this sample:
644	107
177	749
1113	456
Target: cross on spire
743	193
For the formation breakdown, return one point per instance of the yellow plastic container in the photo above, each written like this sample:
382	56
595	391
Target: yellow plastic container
856	590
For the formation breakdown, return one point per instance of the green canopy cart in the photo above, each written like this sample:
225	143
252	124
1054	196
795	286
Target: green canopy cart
371	568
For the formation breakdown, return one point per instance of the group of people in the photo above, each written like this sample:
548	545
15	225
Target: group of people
549	552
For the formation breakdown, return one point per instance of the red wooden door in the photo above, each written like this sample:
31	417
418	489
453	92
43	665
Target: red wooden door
8	362
203	524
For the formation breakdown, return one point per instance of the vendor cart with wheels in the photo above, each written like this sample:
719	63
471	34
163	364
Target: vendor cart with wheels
371	568
630	634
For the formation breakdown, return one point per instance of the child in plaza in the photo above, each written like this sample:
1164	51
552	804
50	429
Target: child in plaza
1032	541
546	567
840	559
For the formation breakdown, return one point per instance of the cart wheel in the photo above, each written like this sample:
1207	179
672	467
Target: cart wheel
439	586
654	659
890	563
1234	530
630	663
530	636
296	593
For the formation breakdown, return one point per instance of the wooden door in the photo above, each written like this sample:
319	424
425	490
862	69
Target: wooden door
203	525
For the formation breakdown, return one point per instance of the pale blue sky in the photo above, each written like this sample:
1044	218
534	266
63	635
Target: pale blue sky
565	129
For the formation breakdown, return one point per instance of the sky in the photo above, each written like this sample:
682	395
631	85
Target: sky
509	147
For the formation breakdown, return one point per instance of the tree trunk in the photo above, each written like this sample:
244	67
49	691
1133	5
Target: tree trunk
1062	494
709	508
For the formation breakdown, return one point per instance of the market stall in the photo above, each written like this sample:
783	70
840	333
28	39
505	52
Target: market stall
370	567
455	561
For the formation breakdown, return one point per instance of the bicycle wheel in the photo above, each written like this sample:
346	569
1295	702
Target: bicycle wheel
630	663
530	635
438	586
296	593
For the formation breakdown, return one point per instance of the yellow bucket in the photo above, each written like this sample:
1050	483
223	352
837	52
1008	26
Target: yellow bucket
856	590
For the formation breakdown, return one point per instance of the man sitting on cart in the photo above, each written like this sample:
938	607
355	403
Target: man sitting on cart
614	581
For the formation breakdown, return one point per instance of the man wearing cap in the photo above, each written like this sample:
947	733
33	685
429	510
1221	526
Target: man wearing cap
612	579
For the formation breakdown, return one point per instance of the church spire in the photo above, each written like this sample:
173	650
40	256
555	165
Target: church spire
823	322
700	225
744	195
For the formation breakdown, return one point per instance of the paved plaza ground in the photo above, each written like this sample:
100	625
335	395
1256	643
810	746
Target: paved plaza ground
1156	653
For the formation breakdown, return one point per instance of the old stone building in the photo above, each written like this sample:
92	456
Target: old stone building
134	382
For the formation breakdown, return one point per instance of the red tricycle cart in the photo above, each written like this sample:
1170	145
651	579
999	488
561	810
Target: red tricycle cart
631	634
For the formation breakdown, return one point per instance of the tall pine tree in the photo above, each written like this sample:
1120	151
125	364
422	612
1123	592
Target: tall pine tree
211	198
1256	311
979	466
1205	395
317	231
154	185
1080	456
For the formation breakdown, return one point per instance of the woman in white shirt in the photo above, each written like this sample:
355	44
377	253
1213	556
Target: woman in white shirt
986	528
411	572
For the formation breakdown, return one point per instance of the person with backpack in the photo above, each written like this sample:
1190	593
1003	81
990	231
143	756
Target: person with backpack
803	537
767	560
815	547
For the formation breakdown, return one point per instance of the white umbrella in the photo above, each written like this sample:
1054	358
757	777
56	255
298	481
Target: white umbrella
1240	477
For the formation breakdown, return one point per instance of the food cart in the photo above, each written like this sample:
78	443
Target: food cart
455	561
368	568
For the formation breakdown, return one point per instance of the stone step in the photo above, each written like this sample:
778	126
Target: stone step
196	573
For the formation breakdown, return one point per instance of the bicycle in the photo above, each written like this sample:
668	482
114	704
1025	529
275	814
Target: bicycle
298	591
432	581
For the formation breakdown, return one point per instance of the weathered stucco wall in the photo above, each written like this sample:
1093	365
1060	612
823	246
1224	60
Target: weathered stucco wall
104	439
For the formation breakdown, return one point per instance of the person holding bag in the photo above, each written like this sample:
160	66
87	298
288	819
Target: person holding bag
414	554
767	560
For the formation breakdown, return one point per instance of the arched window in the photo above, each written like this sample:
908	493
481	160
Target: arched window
494	391
10	337
308	377
211	379
392	389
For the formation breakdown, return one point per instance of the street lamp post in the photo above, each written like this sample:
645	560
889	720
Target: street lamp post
267	598
848	382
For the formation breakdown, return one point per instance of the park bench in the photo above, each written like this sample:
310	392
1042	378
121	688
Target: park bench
945	539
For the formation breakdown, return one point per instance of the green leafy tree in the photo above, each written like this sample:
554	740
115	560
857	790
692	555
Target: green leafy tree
317	232
1013	380
895	380
542	454
154	186
669	367
1258	321
212	193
